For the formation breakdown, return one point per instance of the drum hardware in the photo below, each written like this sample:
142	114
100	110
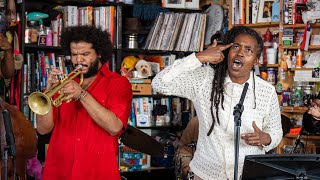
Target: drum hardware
137	140
179	169
120	145
190	176
142	142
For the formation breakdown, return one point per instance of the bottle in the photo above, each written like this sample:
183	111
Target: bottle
267	42
33	31
294	59
289	59
49	37
298	97
307	95
275	40
299	59
42	35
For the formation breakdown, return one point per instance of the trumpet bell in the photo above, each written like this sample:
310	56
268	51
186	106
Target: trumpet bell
39	103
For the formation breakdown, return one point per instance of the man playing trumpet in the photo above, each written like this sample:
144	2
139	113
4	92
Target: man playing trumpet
85	131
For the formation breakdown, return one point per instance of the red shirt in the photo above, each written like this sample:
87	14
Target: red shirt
79	149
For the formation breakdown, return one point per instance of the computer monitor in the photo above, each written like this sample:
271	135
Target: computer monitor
281	166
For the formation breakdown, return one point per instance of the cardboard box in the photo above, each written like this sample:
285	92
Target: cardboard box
141	87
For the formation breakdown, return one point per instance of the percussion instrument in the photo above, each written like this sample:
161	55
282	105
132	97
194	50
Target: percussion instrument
179	162
138	140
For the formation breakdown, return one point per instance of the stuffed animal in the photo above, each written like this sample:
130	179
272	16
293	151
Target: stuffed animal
129	62
143	68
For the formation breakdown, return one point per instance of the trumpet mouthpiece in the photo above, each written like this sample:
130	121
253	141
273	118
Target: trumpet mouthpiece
79	66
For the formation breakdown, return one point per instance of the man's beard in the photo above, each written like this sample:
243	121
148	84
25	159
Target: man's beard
93	69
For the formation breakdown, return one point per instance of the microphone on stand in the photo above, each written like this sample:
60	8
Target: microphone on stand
237	112
239	107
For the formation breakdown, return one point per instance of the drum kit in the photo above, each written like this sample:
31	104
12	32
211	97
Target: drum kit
179	161
138	140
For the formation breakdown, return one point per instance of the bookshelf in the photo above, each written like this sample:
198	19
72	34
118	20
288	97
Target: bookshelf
282	26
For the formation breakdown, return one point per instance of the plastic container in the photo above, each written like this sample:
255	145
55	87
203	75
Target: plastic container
49	37
271	56
271	76
299	59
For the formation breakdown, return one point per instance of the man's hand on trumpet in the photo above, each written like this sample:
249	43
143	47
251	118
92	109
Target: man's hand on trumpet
72	90
53	77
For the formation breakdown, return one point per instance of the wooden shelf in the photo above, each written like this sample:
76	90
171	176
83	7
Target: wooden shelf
260	25
311	47
300	26
303	136
37	47
270	65
301	69
290	109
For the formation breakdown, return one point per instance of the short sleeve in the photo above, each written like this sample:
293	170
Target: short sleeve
120	100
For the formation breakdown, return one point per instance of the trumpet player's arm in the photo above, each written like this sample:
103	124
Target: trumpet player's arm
114	117
45	123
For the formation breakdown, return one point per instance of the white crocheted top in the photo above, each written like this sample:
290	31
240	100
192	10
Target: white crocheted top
214	157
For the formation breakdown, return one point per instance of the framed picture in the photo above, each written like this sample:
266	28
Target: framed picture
265	11
192	4
174	3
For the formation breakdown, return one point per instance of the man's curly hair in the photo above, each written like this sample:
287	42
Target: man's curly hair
99	39
220	70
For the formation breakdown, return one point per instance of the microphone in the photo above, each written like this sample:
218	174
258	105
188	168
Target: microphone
238	109
9	132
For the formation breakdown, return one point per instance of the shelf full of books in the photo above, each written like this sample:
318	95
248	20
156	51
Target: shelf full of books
35	72
254	12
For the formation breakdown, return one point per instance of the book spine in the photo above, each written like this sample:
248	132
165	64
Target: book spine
119	29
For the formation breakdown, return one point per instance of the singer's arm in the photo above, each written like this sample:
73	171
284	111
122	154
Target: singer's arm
268	134
272	122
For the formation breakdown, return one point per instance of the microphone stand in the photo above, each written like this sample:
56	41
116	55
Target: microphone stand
237	112
10	148
298	141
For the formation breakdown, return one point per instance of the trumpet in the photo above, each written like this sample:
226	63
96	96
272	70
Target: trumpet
41	103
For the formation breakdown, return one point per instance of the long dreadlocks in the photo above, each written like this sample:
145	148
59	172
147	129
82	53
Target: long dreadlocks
220	70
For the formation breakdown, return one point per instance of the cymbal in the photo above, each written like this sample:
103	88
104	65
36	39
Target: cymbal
140	141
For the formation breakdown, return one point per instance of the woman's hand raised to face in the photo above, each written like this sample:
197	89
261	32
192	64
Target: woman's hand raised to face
213	54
